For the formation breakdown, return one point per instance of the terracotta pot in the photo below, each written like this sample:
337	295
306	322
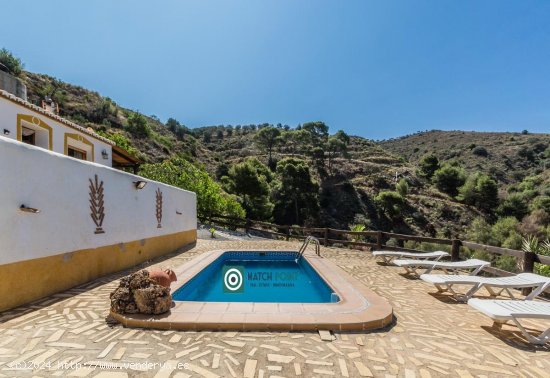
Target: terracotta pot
163	277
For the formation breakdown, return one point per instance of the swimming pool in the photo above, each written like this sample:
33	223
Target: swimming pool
247	276
266	300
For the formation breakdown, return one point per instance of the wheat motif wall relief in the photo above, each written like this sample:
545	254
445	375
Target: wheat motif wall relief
97	207
159	208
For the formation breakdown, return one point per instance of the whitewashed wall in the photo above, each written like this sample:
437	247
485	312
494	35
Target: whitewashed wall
59	187
8	121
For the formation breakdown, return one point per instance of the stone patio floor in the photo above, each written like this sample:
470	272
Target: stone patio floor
70	334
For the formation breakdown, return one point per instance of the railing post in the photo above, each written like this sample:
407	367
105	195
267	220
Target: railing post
455	250
528	263
287	233
326	236
247	226
528	266
379	240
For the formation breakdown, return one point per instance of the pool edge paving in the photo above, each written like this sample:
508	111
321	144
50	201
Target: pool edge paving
359	307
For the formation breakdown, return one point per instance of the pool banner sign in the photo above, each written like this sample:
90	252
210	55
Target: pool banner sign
236	277
233	279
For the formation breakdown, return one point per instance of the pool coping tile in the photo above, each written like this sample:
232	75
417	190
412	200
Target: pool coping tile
359	307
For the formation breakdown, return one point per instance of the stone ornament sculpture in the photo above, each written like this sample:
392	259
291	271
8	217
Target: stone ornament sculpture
97	204
140	293
158	208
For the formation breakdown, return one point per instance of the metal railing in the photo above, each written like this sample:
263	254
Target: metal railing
308	240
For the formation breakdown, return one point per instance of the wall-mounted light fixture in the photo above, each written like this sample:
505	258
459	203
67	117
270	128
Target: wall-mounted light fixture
140	184
6	132
105	154
28	209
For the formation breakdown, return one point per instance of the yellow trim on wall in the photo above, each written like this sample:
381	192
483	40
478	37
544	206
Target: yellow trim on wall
33	120
54	117
29	280
79	138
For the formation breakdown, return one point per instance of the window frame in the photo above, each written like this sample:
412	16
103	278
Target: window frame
90	156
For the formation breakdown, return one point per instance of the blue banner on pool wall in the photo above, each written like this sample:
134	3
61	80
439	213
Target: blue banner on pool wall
233	279
271	279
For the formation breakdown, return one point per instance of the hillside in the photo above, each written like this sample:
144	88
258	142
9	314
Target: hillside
348	194
509	157
348	189
90	109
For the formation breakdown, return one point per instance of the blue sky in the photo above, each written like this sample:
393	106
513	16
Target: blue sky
378	69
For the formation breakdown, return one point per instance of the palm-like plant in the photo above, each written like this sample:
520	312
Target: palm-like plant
357	228
533	244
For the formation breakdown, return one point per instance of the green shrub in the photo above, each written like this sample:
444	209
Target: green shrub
137	125
357	228
480	151
514	205
530	183
480	231
250	181
211	198
536	224
402	187
162	140
391	202
449	178
121	141
504	233
295	194
14	64
541	203
480	191
527	153
428	165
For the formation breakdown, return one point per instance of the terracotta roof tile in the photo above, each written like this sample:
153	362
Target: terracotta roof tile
53	116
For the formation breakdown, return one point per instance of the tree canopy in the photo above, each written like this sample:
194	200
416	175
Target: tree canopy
137	124
12	63
267	138
211	198
249	180
296	195
449	178
428	165
480	191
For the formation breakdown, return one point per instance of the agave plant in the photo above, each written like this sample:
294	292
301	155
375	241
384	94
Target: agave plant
532	244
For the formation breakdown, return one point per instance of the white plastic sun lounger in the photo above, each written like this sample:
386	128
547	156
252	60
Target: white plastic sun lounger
504	311
445	283
388	256
473	265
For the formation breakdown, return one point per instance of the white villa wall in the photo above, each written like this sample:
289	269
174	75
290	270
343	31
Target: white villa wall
8	120
59	187
59	247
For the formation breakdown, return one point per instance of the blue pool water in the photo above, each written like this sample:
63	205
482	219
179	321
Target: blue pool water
257	277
